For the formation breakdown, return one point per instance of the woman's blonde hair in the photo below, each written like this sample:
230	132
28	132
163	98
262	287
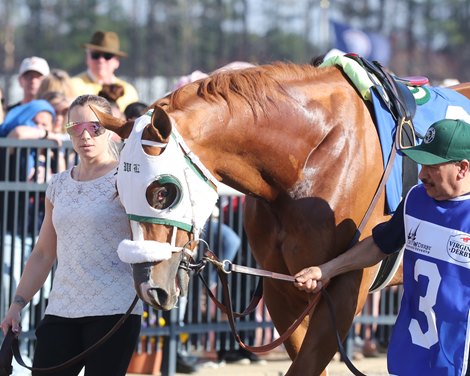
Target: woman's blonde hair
57	80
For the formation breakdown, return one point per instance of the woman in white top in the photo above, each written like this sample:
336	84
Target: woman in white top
83	225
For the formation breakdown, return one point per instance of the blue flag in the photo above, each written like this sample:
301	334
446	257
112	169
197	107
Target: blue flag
370	45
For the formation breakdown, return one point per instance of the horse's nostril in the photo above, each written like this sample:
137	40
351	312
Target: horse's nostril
159	295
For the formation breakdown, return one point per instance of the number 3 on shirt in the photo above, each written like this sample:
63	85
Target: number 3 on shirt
426	304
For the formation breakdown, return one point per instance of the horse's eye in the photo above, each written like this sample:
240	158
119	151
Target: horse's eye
163	193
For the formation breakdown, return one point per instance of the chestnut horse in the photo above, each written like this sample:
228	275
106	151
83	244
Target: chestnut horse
301	143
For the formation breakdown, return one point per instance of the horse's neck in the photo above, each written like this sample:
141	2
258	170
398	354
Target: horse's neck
237	156
266	156
261	158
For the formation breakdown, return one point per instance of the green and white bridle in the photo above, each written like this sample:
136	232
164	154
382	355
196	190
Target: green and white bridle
176	168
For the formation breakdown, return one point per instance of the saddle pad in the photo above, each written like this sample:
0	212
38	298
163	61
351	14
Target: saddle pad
433	104
358	75
441	103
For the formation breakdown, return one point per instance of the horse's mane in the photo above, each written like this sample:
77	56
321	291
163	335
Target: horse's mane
258	86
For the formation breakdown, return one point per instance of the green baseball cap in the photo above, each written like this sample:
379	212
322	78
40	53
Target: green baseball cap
446	140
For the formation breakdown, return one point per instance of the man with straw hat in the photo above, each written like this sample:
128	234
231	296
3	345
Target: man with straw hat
102	59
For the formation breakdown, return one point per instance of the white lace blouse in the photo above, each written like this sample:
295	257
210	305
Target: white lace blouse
90	222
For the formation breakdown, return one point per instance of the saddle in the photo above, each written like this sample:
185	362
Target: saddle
402	106
393	90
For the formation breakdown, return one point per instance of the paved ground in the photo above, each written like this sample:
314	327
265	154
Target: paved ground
278	364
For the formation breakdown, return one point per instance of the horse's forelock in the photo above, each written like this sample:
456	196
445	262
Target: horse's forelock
258	86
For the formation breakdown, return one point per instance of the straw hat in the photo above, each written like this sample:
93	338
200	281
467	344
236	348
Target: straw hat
105	41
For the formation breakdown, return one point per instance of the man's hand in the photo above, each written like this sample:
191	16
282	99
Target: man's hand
310	279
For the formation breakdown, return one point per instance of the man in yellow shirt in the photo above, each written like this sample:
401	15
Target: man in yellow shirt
102	59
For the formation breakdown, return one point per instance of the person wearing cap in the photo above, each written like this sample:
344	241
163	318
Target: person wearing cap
102	56
32	70
431	335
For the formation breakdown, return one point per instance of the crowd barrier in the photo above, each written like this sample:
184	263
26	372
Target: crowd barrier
202	328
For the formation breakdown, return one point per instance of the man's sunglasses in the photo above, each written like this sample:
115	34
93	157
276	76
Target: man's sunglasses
96	55
92	127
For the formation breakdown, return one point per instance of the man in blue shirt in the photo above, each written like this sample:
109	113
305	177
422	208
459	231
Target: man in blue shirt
432	333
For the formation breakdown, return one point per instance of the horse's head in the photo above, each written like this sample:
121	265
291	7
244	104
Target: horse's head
168	195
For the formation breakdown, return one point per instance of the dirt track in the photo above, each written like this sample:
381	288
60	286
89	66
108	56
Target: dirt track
277	365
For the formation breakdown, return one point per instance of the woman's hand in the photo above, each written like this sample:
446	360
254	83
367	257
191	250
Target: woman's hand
310	279
12	320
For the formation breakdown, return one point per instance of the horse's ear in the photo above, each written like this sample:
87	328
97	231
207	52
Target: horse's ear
161	125
121	127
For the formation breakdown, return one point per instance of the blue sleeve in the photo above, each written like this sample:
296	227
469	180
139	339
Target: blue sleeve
390	236
3	131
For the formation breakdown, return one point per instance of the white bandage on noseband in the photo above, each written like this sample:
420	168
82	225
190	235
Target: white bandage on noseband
136	252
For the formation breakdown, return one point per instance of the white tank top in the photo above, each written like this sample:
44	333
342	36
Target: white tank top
90	222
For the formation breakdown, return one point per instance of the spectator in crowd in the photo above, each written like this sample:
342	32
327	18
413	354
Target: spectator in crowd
61	106
112	92
58	90
92	288
102	56
59	81
135	110
32	121
32	72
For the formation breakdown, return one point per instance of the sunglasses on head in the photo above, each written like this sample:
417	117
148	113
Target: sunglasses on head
92	127
95	55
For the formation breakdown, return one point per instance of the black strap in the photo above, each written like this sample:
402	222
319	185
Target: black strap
10	346
339	342
6	355
409	167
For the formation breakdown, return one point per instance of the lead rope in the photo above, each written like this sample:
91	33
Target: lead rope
225	267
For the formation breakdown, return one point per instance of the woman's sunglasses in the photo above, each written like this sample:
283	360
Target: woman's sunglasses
96	55
92	127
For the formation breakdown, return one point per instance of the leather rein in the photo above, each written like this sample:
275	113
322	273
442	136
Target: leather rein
225	267
10	348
